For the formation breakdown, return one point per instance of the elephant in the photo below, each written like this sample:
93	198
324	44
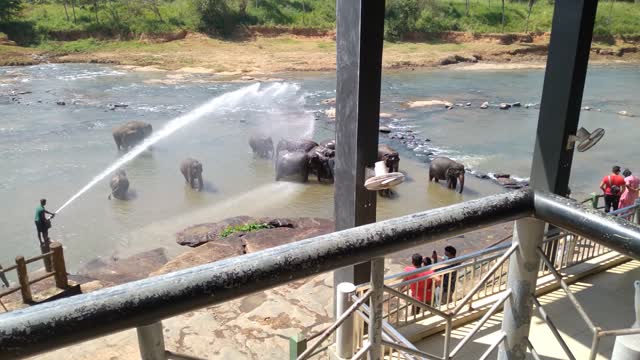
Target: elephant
191	169
291	163
321	162
329	144
119	185
262	146
390	157
130	134
443	168
303	145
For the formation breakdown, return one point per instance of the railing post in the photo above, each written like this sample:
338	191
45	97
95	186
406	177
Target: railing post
57	258
23	279
636	212
375	320
151	342
45	247
522	278
344	334
297	345
3	278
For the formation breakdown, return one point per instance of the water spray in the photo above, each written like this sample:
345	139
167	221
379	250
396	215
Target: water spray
221	104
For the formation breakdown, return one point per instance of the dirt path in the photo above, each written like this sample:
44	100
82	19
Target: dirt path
264	55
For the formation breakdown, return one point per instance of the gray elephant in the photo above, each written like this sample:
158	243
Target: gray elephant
131	134
390	157
443	168
303	145
321	162
191	169
262	146
291	163
119	185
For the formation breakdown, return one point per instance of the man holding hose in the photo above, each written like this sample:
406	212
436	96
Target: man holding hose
42	226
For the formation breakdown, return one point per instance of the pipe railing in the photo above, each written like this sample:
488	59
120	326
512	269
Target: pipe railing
148	301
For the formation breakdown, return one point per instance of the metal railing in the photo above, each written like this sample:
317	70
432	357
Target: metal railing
142	303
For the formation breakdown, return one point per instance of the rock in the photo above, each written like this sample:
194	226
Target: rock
331	101
516	104
586	108
484	105
459	105
119	271
624	113
61	103
384	115
480	175
501	176
199	234
247	78
427	139
423	103
468	104
506	182
384	129
330	113
504	106
530	105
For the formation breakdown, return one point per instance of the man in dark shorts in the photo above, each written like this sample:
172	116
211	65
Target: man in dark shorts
42	225
449	279
613	186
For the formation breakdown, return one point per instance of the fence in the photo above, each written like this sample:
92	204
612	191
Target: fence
436	295
144	303
59	272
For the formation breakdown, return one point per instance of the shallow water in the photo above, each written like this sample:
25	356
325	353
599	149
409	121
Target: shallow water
51	151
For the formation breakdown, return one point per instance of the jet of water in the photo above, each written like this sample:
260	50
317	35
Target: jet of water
219	105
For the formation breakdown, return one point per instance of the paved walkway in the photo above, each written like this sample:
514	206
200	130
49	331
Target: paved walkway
608	298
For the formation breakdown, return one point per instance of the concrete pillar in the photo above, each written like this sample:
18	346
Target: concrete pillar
344	334
523	274
359	39
151	342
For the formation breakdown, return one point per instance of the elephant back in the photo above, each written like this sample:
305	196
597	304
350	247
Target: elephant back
303	145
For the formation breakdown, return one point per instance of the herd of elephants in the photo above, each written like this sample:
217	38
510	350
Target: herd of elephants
294	159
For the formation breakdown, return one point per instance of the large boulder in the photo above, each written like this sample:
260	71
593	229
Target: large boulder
199	234
119	271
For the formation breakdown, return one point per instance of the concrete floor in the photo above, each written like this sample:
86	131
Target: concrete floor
607	297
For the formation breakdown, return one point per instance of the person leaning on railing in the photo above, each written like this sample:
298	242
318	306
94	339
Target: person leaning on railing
420	290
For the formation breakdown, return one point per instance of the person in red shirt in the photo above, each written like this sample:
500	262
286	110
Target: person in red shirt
420	290
613	186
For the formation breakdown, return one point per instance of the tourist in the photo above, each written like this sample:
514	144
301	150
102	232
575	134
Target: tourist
613	186
630	195
43	224
449	279
420	290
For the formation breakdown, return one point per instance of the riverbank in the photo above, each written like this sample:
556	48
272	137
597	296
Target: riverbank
272	53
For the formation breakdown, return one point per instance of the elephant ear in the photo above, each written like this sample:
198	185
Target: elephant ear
448	172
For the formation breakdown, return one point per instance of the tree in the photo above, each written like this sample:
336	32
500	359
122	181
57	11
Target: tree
9	9
502	16
526	27
153	4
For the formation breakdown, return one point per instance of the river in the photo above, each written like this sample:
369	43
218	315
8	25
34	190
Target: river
50	150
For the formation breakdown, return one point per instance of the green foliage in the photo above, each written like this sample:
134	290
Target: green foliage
43	20
243	228
9	9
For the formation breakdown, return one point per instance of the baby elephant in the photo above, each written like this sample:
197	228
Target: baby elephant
191	169
119	185
262	146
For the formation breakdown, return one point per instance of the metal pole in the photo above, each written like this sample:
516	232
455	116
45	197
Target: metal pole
523	274
360	28
151	342
344	334
375	323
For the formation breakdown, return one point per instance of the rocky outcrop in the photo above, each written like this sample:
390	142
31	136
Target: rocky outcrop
119	271
211	246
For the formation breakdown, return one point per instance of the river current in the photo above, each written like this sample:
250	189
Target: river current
52	150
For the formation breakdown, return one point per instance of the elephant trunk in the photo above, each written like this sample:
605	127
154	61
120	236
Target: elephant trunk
200	183
461	178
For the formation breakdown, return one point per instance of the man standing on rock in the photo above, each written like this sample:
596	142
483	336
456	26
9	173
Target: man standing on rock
42	226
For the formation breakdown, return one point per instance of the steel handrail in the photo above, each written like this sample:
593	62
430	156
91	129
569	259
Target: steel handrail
28	331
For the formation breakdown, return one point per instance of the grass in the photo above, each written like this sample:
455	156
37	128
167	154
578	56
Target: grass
126	20
243	228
